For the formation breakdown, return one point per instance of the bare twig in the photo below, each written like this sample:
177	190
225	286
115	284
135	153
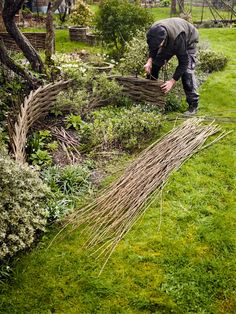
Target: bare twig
110	217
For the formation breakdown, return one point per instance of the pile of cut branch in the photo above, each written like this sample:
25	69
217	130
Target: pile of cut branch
112	215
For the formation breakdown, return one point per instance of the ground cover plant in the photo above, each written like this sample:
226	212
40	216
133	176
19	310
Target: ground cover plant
180	258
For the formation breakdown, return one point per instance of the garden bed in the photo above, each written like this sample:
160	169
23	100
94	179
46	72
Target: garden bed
36	39
82	34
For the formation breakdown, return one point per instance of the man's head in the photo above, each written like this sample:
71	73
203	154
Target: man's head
155	37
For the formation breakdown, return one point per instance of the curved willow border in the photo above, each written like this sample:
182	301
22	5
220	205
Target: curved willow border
35	106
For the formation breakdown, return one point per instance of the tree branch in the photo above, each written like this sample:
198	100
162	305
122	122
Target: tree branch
9	62
13	6
22	42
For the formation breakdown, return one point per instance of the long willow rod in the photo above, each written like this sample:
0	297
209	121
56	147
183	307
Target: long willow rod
112	215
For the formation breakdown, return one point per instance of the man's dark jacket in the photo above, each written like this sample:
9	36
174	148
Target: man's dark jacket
181	41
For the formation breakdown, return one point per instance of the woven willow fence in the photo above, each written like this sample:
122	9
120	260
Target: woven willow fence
35	106
140	89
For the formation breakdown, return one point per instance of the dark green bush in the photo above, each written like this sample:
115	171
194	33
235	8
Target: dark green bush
119	20
210	61
22	209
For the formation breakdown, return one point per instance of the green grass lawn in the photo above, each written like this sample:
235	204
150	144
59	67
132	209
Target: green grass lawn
161	13
164	12
64	45
186	267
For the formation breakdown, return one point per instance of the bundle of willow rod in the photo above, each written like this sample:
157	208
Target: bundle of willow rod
111	216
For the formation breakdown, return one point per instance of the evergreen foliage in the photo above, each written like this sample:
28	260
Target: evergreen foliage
22	213
119	20
81	15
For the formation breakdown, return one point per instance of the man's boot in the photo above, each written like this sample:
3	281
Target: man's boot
192	110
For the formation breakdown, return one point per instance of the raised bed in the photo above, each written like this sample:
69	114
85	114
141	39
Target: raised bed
82	34
37	40
78	33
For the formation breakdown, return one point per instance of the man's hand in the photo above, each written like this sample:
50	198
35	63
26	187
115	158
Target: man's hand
148	66
167	86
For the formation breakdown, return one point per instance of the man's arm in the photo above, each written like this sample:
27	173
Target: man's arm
180	50
148	66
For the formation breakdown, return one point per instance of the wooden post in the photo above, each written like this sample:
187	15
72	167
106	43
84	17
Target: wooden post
2	26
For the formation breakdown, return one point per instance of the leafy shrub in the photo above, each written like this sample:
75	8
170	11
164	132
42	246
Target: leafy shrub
22	213
119	20
165	3
104	90
81	15
123	128
135	56
3	141
210	61
91	92
74	121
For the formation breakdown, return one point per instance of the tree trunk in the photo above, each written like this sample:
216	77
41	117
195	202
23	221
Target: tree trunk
181	6
9	11
2	26
173	9
9	62
50	36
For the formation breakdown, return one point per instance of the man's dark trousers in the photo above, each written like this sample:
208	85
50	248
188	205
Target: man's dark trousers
188	79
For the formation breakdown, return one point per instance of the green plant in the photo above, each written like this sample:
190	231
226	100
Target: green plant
81	15
210	61
165	3
104	89
52	146
135	56
38	147
3	140
41	158
38	140
81	126
119	20
93	91
12	91
74	121
22	211
124	128
68	184
70	180
72	100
